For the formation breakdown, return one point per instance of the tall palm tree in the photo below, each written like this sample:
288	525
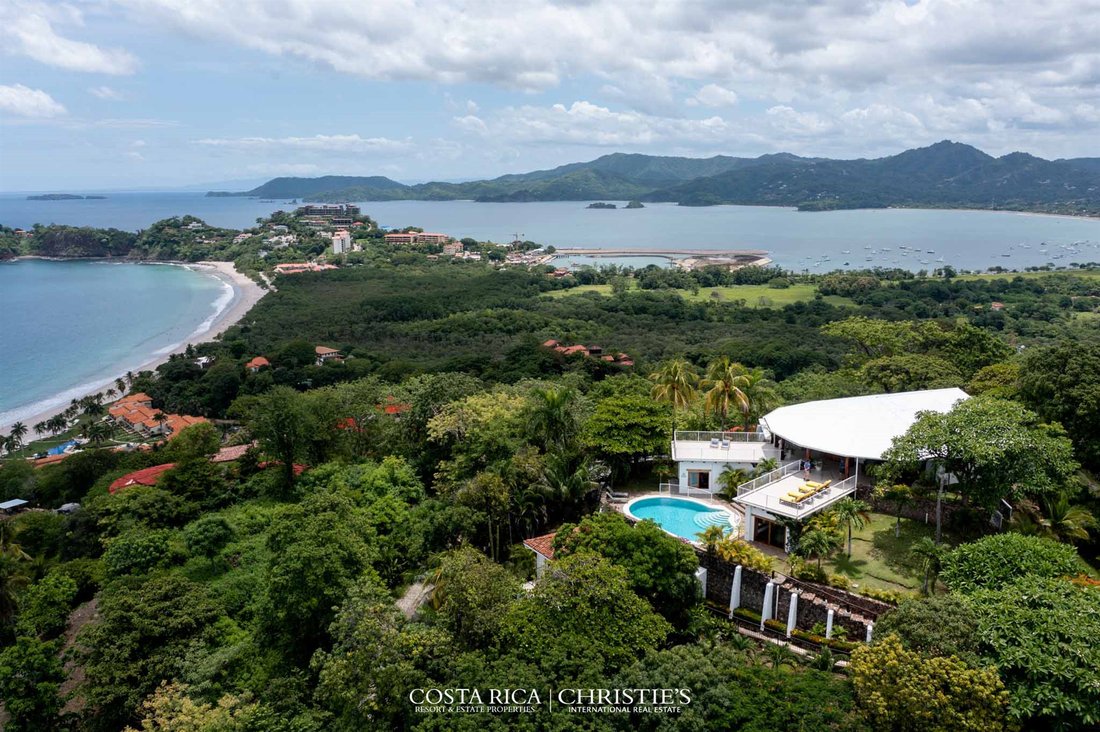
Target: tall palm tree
568	478
551	419
725	385
1054	517
729	479
110	394
17	432
57	424
674	383
120	385
929	556
40	429
853	512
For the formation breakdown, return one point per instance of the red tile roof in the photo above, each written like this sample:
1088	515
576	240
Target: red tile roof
325	350
147	476
229	454
257	363
543	545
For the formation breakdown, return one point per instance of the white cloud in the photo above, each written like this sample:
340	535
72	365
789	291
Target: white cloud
585	123
106	93
1006	65
26	102
28	28
316	143
713	95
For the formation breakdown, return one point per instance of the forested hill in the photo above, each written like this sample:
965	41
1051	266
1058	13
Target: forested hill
947	174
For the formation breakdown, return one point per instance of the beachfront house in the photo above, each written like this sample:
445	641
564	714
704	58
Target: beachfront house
820	446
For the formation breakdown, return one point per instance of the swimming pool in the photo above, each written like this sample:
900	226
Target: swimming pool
58	449
682	517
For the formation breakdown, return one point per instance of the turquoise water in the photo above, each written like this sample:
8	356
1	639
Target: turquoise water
686	519
814	242
69	327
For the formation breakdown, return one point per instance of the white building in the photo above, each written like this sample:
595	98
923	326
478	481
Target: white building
341	242
836	436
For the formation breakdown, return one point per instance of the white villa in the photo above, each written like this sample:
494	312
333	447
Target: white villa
835	435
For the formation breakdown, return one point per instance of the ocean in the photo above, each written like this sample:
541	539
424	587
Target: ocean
70	327
913	239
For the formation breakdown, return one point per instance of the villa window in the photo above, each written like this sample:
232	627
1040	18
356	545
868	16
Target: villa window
699	479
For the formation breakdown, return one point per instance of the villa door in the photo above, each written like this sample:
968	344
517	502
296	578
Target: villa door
769	532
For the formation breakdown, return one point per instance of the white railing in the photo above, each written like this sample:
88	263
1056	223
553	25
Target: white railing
813	504
675	488
691	436
769	477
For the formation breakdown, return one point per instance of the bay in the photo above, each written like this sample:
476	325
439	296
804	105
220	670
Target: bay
912	239
70	327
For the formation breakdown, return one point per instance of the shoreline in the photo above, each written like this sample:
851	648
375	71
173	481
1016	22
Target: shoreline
245	293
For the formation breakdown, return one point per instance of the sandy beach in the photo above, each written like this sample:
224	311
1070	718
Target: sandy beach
246	293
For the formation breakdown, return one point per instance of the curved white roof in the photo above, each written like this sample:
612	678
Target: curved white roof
860	427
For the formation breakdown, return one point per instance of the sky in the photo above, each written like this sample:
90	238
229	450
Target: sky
129	94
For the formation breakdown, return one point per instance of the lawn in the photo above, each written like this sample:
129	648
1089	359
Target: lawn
753	295
879	559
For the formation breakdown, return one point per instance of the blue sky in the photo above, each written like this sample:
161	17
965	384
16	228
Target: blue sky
166	93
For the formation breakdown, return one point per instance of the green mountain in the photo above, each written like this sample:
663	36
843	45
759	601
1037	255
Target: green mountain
947	174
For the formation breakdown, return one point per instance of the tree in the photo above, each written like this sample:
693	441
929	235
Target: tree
674	383
479	431
625	427
1027	456
929	556
1041	635
934	626
16	433
279	422
137	552
996	560
472	594
207	536
902	690
488	493
171	709
1062	384
582	614
852	512
729	385
900	494
817	543
551	417
44	606
319	548
30	685
1054	517
143	634
910	372
661	568
196	441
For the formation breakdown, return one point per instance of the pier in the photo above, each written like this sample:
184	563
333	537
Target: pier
684	258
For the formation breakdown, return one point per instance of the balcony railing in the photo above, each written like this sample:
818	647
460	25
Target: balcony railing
777	504
759	482
690	436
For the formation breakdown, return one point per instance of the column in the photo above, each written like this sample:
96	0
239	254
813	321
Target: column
766	610
829	624
701	578
870	631
735	590
792	613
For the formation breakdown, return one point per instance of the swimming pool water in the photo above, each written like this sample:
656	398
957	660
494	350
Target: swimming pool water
683	518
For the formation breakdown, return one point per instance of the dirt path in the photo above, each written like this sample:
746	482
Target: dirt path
417	594
80	617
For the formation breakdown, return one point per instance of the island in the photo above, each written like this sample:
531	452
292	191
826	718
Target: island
600	204
634	204
63	197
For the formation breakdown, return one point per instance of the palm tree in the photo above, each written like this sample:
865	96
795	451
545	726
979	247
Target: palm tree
711	536
730	478
1054	517
674	383
779	656
853	512
568	477
129	377
817	543
929	556
900	494
40	429
120	386
16	434
57	424
110	394
725	385
766	465
98	432
551	420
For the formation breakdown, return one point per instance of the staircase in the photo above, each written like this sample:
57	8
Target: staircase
815	595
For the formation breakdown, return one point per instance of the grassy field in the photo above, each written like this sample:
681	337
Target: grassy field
1082	273
878	558
753	295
